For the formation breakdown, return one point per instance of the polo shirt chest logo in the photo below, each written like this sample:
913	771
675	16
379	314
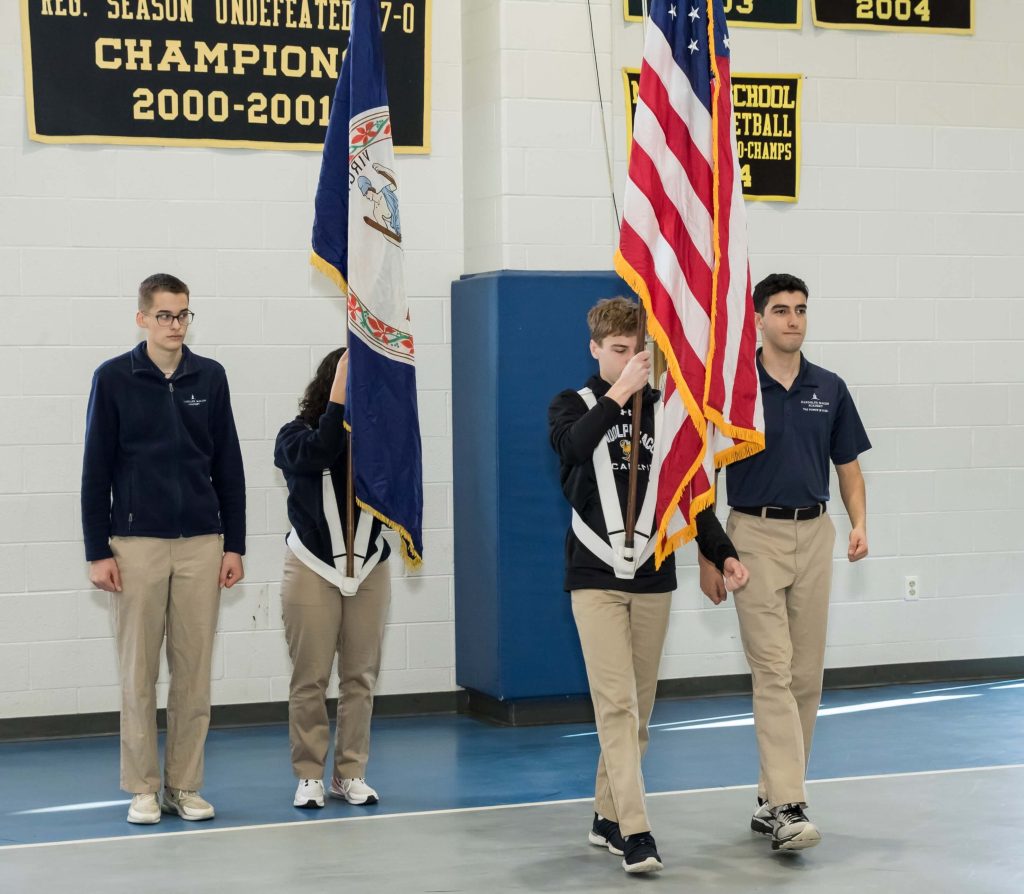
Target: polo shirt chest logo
815	404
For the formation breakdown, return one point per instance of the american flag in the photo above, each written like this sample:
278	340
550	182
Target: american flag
683	249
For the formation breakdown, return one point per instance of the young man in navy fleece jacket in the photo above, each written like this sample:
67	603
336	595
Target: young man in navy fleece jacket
163	514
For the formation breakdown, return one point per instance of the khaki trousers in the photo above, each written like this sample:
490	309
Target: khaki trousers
172	587
783	616
622	635
320	623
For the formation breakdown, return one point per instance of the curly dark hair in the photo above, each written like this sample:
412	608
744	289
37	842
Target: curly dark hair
314	400
774	283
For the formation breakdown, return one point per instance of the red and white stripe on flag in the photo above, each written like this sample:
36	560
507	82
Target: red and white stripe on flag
683	249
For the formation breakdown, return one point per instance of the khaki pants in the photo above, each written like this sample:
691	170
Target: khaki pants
167	586
320	623
622	635
783	615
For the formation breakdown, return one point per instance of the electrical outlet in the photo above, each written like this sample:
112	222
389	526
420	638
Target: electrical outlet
911	588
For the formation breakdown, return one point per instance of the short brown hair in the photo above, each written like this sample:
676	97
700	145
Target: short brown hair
613	316
159	282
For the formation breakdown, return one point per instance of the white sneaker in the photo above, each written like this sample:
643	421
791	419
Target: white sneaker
309	794
188	805
144	809
355	791
792	830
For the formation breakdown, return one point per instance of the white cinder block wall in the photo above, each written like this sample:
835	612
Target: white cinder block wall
80	226
909	231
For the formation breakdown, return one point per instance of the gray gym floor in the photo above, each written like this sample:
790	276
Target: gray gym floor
909	833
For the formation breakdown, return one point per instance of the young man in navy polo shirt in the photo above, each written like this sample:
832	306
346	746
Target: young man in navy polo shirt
784	536
163	514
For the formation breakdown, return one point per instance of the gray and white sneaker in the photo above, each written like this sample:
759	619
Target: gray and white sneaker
144	809
761	821
355	791
189	805
791	829
309	794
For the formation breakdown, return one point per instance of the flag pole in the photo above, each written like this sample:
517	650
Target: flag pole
350	513
638	405
634	450
350	491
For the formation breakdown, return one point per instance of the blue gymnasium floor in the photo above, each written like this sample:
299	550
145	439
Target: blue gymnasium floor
66	790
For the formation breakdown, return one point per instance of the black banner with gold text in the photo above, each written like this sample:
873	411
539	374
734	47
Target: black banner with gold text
257	74
745	13
936	16
766	109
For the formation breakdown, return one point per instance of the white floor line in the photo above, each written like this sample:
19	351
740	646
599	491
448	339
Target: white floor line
68	808
994	684
832	712
725	721
669	723
151	836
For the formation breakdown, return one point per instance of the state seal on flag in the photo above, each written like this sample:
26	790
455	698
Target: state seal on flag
375	181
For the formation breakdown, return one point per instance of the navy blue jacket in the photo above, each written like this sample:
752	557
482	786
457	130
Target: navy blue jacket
168	451
302	453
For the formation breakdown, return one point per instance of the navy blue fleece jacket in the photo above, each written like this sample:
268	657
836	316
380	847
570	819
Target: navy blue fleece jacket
162	457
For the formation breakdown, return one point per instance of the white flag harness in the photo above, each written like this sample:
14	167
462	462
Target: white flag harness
335	573
613	551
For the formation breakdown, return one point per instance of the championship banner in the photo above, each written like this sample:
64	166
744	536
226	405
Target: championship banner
767	119
742	13
935	16
249	74
766	111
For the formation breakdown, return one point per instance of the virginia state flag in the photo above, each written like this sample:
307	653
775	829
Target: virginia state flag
357	242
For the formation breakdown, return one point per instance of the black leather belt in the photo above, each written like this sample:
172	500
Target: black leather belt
802	513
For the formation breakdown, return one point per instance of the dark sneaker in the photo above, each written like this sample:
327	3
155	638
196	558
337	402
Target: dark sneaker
605	833
761	821
640	853
791	830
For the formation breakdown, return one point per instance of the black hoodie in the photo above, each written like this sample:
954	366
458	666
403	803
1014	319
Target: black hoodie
575	435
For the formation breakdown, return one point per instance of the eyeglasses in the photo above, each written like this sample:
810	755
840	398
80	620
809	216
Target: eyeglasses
165	317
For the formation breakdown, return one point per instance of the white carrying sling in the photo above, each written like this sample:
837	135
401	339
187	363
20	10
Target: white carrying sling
613	551
335	573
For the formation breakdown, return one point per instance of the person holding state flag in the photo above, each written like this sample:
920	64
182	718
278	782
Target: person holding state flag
325	612
353	458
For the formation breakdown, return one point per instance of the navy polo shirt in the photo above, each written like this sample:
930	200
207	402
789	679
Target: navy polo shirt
813	422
